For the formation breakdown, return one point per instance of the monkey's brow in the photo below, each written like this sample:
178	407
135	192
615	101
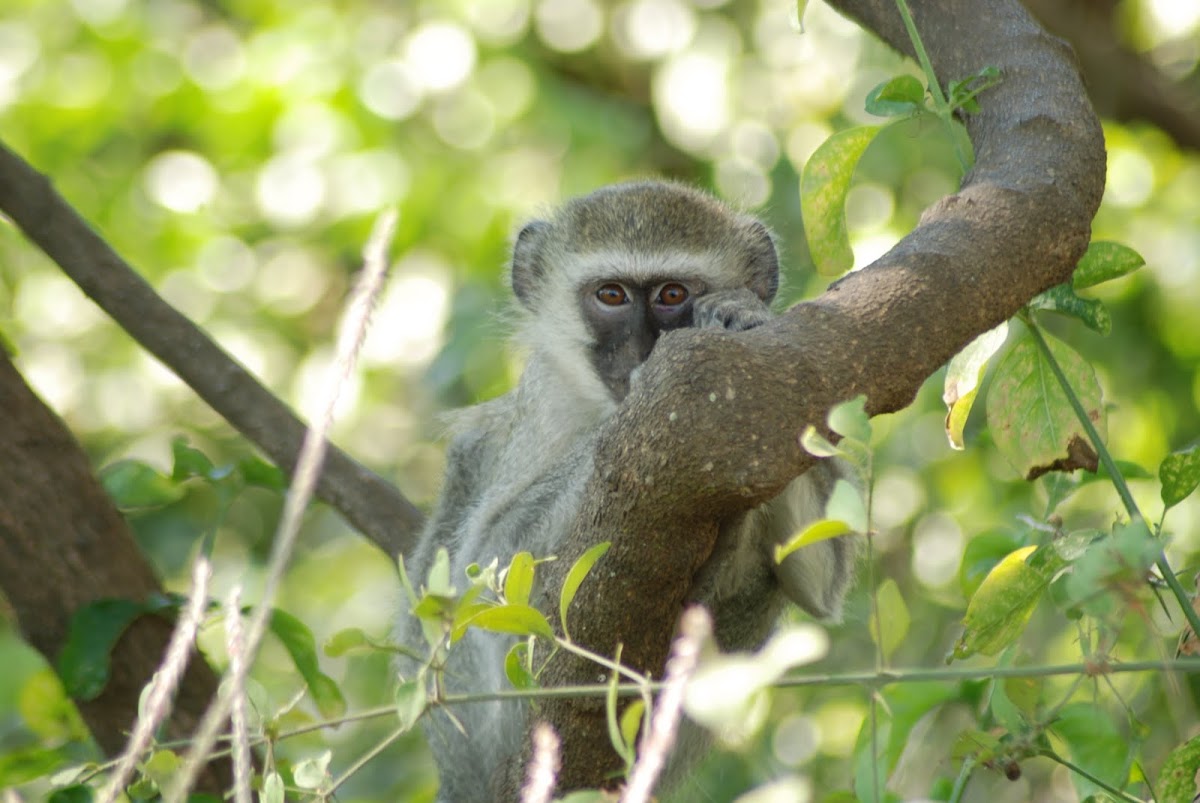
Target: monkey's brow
645	267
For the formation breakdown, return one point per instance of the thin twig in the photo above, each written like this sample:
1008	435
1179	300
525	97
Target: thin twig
312	453
543	767
235	646
165	681
694	629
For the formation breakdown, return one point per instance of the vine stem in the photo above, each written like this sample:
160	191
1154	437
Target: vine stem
940	104
1118	481
935	88
1107	787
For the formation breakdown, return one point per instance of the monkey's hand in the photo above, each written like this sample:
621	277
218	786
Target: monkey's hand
735	310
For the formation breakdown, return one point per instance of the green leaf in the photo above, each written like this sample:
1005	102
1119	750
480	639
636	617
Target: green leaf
83	663
134	485
1000	609
896	97
406	582
520	620
518	582
1177	779
1095	744
1032	423
575	577
962	92
615	735
1179	475
963	375
272	788
23	765
846	503
344	641
1062	299
77	793
900	708
312	773
893	618
850	420
189	462
261	474
1104	261
820	530
298	640
516	666
161	767
410	702
823	188
354	640
981	555
1119	558
438	581
816	444
631	722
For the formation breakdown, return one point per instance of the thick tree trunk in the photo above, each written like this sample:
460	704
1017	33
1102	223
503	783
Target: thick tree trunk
63	545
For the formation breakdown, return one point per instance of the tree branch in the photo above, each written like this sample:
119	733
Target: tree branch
1122	83
729	408
371	504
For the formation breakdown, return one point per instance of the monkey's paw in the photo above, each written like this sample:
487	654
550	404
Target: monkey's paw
735	310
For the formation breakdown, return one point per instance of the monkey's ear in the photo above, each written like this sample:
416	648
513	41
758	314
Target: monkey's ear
762	261
528	267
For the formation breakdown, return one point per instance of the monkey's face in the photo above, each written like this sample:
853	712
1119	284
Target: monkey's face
625	318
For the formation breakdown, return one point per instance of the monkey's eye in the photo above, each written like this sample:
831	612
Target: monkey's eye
672	295
612	295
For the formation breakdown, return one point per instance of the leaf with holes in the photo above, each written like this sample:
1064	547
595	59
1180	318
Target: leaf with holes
1032	423
1179	475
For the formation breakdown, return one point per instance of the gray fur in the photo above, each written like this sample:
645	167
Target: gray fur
517	465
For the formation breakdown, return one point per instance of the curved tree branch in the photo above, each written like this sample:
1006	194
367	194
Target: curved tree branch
370	503
1122	83
729	408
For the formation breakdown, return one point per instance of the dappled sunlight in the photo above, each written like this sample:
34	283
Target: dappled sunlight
568	26
650	29
440	54
411	315
181	181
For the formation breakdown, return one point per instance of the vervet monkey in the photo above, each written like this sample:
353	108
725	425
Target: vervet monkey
597	283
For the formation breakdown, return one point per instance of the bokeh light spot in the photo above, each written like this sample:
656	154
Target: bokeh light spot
181	181
441	55
390	90
568	26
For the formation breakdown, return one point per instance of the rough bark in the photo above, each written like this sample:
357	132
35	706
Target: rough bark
1123	84
728	408
63	545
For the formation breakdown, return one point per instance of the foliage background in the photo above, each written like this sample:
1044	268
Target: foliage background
237	151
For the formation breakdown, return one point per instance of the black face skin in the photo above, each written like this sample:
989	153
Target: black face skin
626	319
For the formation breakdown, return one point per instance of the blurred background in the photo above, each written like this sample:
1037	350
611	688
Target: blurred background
236	152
